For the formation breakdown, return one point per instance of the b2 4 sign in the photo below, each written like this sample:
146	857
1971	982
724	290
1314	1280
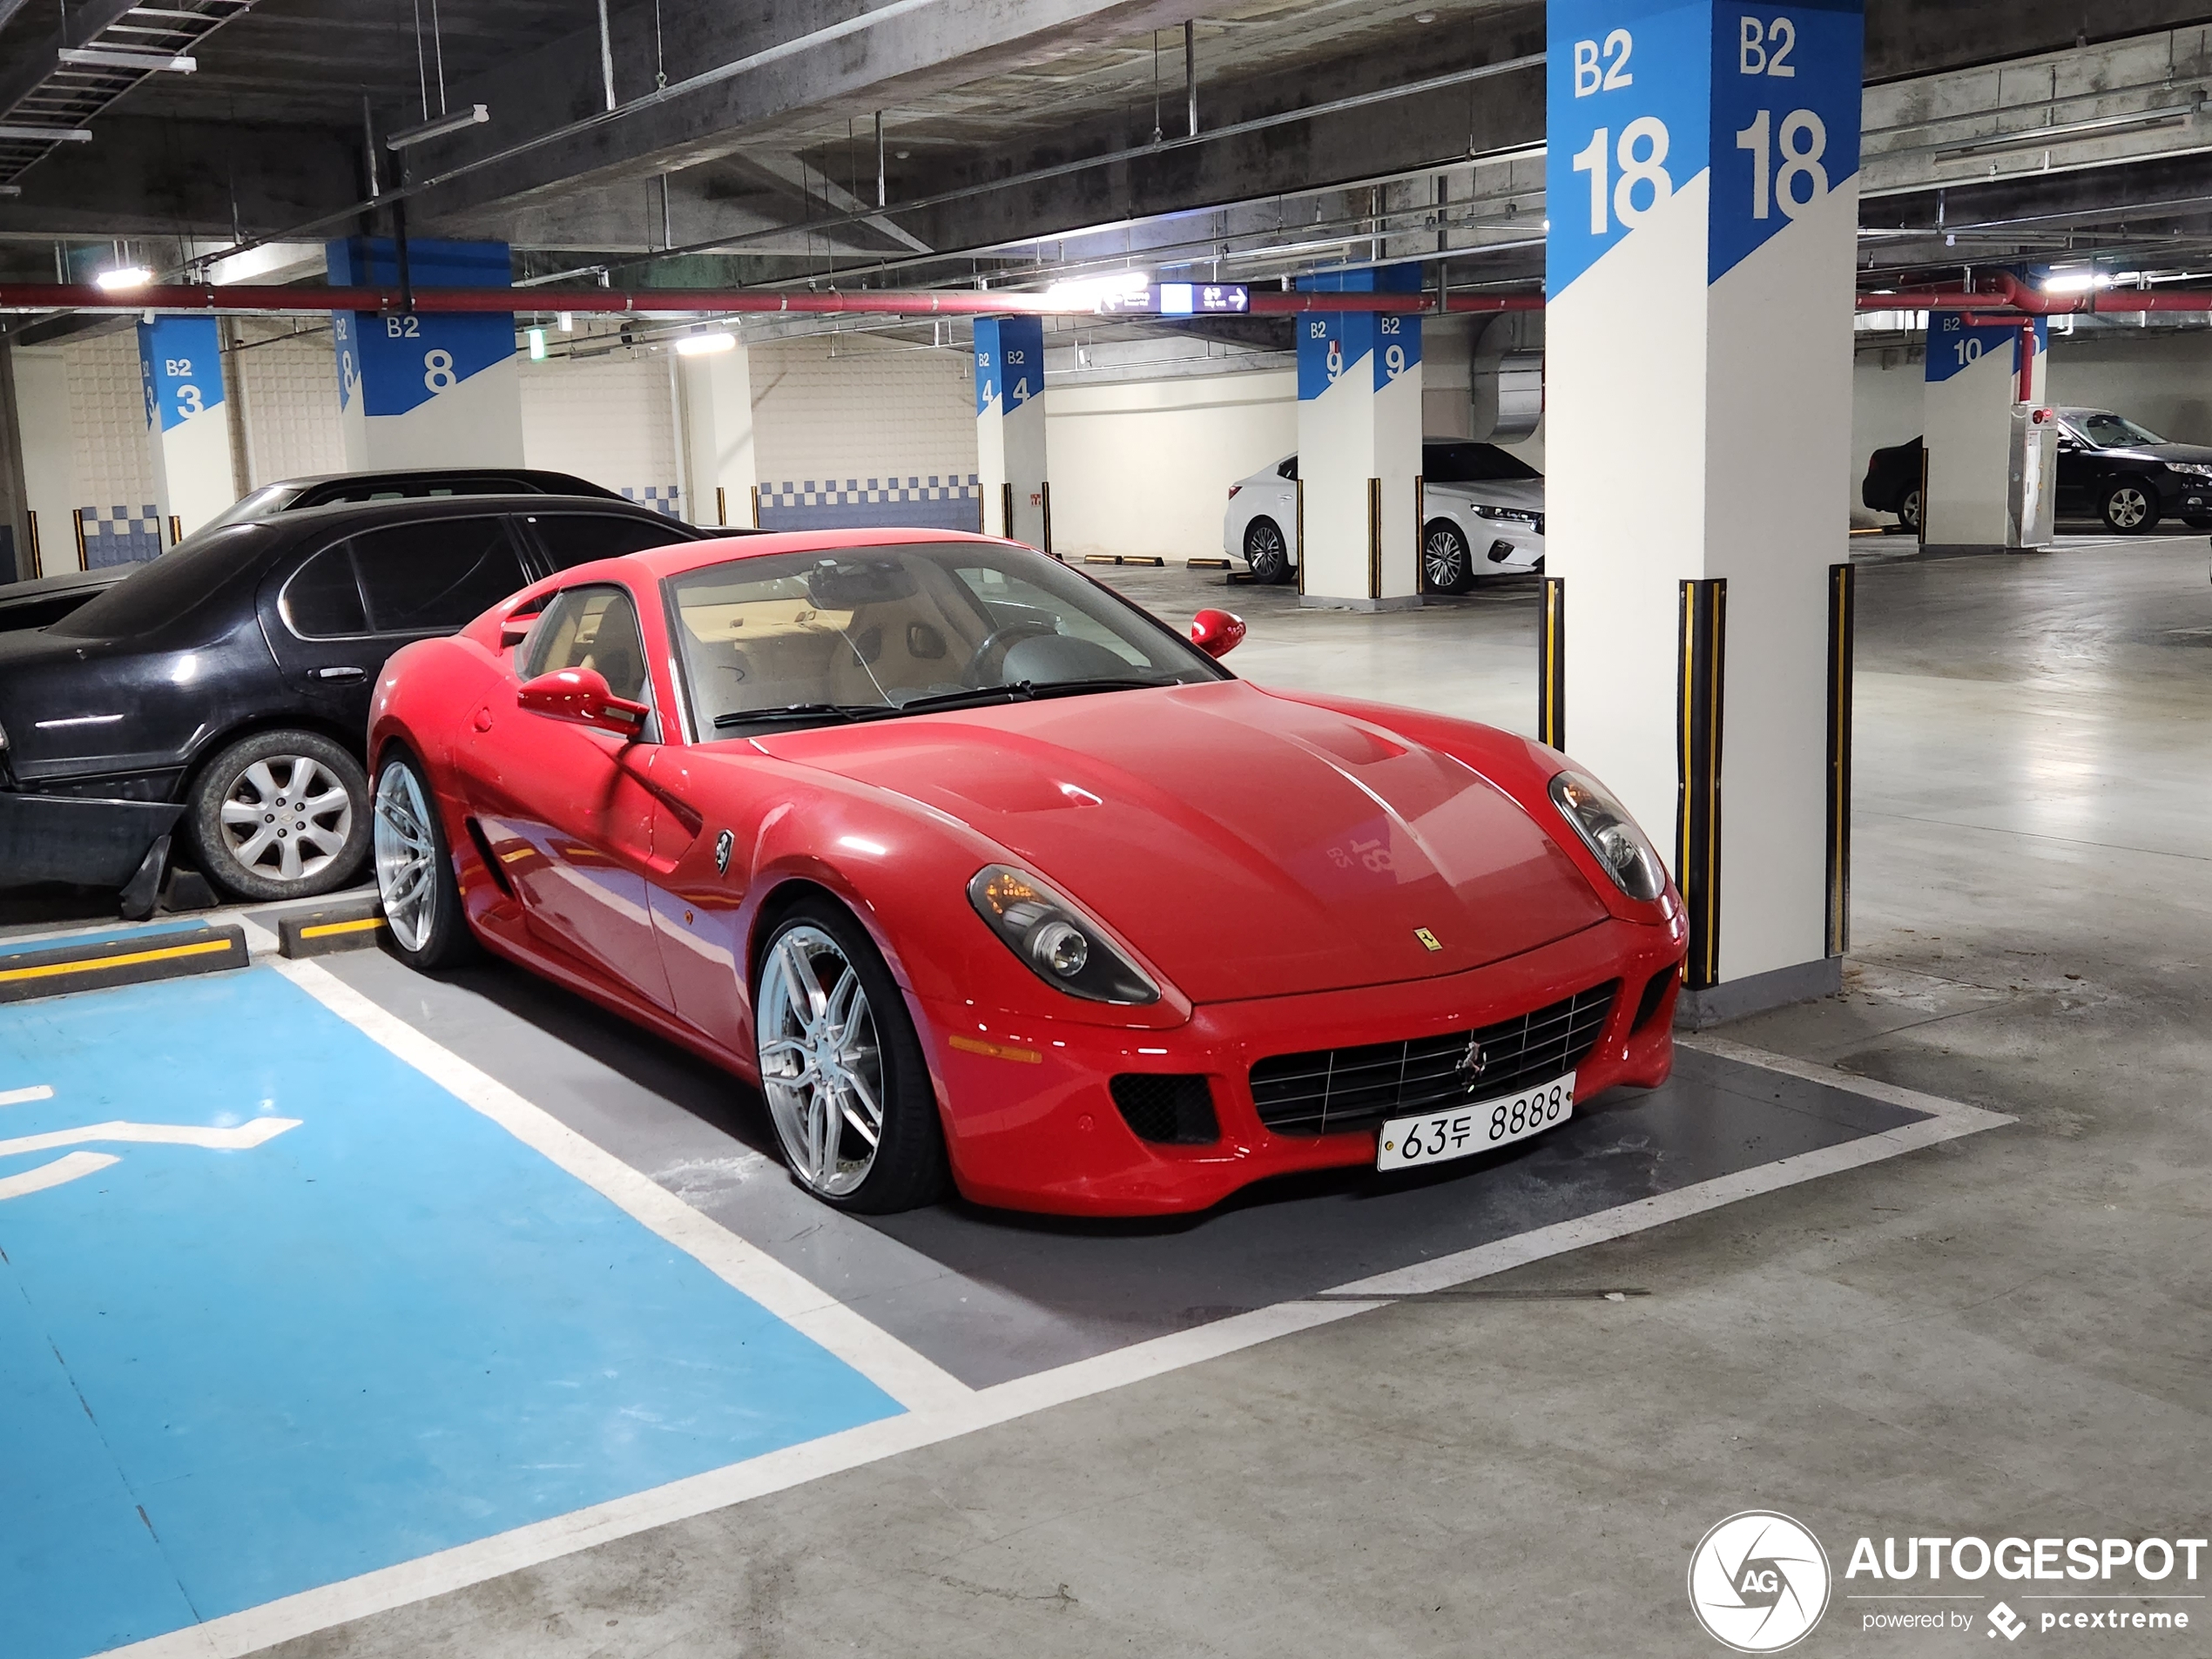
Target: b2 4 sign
1645	98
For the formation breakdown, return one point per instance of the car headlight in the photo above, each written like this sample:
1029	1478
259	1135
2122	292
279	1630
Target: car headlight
1058	943
1608	831
2194	469
1517	514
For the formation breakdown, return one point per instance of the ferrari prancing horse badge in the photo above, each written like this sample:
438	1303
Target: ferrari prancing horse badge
723	843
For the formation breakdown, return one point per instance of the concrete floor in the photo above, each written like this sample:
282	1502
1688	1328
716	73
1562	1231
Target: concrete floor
2004	1335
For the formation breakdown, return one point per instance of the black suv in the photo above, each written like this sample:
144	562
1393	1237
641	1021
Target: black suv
222	690
2109	467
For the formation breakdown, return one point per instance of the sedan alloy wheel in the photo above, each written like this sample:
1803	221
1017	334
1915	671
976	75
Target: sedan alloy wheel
1446	562
2129	507
1266	551
407	858
280	815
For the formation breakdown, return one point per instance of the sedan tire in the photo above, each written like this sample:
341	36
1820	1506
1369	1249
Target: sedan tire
1908	512
841	1068
2129	508
1448	564
1267	553
414	878
280	815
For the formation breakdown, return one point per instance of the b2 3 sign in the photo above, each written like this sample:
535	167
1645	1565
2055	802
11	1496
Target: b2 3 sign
1643	98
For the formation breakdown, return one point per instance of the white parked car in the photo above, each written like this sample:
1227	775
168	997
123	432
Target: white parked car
1483	511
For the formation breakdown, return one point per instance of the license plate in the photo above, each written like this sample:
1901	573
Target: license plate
1437	1137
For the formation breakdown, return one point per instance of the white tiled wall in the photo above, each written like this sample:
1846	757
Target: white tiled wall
612	420
288	381
835	407
111	463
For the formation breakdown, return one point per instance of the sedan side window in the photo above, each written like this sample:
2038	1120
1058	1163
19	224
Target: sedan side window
578	538
437	576
594	628
323	600
1288	470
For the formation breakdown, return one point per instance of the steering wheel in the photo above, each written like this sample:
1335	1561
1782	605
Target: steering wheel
987	666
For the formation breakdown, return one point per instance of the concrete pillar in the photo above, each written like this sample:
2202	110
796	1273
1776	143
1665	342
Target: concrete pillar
188	431
48	467
1976	374
1704	211
15	518
427	391
717	436
1009	426
1359	445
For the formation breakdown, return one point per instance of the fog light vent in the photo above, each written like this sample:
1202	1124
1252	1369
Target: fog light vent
1654	992
1174	1109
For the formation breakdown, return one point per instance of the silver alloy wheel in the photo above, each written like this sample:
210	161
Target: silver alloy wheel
2128	507
1265	552
821	1065
287	816
1444	558
1908	512
407	857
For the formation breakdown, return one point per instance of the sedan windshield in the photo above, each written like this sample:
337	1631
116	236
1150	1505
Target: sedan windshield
2105	430
872	632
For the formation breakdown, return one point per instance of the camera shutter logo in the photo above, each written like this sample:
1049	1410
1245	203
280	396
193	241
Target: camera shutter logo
1758	1581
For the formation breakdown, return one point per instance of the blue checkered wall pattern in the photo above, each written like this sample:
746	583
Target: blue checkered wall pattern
116	536
936	502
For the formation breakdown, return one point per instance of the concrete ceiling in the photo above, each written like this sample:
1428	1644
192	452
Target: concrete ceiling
768	173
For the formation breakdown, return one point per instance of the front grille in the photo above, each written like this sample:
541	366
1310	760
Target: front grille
1332	1089
1174	1109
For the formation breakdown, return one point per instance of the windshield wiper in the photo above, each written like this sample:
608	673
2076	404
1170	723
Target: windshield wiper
974	697
797	711
1023	691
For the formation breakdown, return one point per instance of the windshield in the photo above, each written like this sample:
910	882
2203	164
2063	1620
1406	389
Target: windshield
2105	430
869	632
163	589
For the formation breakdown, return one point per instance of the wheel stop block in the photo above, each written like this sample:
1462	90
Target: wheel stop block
355	925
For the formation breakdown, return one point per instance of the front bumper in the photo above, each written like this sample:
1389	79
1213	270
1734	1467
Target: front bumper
1504	544
84	841
1031	1125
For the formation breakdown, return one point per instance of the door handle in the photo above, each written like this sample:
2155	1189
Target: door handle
339	673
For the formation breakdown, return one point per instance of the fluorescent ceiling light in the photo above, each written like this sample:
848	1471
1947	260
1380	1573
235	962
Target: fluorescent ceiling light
475	115
537	344
1096	290
109	57
45	135
2076	281
123	276
701	345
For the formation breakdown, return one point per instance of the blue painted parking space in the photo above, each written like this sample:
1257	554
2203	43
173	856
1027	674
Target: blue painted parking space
276	1310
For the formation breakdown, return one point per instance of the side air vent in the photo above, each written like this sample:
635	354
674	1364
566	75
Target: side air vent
1173	1109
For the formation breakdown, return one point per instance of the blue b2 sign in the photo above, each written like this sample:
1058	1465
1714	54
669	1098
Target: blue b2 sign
1756	105
1009	361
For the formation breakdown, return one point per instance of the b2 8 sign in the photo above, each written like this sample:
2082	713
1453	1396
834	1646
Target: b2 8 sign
1757	106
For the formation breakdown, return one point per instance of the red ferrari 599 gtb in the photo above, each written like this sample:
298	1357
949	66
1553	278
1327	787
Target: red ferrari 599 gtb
986	876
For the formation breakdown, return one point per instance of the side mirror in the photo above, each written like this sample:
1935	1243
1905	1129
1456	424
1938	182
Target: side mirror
582	695
1217	632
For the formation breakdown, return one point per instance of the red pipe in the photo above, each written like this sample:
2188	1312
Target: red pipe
2017	298
52	296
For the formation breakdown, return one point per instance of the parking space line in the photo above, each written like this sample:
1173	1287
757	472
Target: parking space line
25	1096
915	1382
957	1410
61	1172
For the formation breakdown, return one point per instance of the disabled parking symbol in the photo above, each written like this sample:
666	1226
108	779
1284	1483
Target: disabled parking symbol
73	1166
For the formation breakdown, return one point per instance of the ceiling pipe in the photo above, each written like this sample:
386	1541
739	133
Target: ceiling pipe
269	300
2012	295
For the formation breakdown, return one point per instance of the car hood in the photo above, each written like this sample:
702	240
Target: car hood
1527	493
1247	845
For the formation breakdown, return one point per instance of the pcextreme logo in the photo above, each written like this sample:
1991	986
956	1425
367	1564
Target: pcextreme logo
1758	1581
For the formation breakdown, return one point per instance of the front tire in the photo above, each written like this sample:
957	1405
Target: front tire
2128	507
1267	553
1447	565
842	1068
1908	512
415	876
280	815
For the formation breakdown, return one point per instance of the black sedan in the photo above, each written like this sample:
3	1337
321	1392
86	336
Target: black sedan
41	600
2110	468
221	692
